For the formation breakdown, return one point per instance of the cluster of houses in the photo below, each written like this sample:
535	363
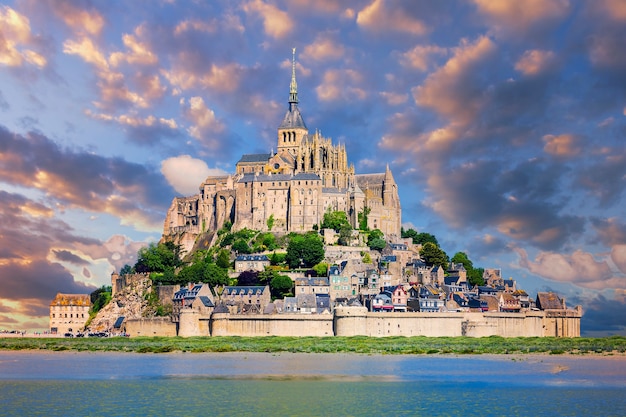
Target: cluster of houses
397	281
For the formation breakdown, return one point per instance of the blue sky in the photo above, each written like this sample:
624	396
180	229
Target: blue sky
502	121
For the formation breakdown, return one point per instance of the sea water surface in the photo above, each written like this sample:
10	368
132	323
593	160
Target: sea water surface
294	384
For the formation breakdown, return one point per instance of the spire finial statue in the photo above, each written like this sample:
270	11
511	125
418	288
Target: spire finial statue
293	87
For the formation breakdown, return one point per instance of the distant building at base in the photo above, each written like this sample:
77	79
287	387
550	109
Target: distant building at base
69	313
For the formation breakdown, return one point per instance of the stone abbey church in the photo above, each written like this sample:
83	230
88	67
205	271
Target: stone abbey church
288	190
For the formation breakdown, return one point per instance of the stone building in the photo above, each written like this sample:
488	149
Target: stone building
288	190
69	313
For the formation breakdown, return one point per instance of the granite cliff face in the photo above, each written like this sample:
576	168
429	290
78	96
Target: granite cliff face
131	302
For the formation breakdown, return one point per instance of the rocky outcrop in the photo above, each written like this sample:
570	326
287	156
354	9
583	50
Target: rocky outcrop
131	302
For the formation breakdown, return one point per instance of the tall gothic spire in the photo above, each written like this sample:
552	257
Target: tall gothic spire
293	87
293	118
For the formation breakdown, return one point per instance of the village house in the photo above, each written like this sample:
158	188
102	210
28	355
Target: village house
246	299
251	263
195	296
312	285
69	313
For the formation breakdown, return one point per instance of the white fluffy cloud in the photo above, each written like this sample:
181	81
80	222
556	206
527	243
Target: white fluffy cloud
185	174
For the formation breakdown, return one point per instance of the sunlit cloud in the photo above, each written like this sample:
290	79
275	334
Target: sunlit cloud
580	268
520	16
15	40
87	50
276	22
534	62
138	53
378	17
80	20
450	90
324	48
185	174
205	125
341	85
565	145
421	56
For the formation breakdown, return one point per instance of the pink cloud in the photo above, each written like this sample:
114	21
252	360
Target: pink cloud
276	22
519	16
565	145
534	62
447	90
579	268
16	39
376	17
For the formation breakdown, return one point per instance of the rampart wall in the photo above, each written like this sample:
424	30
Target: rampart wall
156	326
357	321
224	324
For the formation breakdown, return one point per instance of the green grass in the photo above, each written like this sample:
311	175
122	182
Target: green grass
358	344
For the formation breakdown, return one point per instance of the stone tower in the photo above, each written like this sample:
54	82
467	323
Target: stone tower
292	130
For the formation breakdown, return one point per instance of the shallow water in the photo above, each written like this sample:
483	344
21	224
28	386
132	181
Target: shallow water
226	384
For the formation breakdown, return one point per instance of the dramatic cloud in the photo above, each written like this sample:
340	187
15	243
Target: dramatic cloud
580	268
452	90
123	189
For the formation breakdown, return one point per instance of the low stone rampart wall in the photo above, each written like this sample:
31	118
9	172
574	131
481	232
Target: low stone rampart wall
157	326
352	322
357	321
224	324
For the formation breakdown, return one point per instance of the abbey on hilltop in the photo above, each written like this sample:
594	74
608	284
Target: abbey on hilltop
289	190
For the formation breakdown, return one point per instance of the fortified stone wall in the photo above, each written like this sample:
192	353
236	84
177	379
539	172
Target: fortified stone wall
156	326
224	324
357	321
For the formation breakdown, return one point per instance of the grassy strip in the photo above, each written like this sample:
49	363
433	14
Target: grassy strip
362	345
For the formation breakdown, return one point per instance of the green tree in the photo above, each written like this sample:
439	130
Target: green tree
418	238
277	258
321	269
280	286
367	259
241	246
99	298
377	244
266	276
432	254
374	234
214	275
345	235
476	276
158	257
270	222
362	217
126	269
263	242
223	259
335	220
461	258
304	250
